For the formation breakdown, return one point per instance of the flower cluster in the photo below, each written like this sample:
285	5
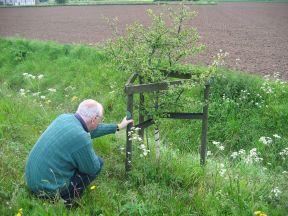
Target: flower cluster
20	212
266	140
275	193
267	86
284	153
222	169
269	140
134	136
23	92
219	59
144	149
247	97
249	158
218	145
52	90
259	213
253	157
30	76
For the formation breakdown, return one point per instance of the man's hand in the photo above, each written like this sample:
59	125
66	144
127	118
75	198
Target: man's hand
124	123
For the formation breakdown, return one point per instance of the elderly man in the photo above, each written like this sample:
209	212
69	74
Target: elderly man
63	161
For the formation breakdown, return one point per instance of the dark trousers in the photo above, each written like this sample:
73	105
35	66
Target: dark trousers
75	189
77	185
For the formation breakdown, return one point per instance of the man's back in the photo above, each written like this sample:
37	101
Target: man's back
55	156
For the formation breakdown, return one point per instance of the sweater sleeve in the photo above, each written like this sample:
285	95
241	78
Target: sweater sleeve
103	129
86	160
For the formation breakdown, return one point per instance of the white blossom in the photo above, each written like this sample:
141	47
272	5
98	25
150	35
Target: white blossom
209	153
219	145
284	153
234	155
275	192
40	76
222	170
52	89
266	140
35	94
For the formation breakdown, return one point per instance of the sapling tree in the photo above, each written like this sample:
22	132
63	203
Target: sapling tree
155	50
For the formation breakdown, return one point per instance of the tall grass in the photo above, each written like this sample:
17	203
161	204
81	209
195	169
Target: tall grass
242	109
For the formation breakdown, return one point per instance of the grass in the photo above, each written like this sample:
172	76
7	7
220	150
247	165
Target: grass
242	109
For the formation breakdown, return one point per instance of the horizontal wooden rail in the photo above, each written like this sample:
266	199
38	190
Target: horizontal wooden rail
175	115
145	124
130	89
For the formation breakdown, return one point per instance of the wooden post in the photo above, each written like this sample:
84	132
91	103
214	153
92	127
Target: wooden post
128	162
203	147
141	108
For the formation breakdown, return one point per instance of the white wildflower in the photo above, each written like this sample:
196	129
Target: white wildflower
284	153
52	90
275	192
241	152
222	170
40	76
42	97
276	136
35	94
234	155
209	153
266	140
22	92
253	157
219	145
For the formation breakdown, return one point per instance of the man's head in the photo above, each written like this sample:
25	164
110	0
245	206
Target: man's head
92	113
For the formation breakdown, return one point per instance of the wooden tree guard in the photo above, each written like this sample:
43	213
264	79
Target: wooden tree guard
131	89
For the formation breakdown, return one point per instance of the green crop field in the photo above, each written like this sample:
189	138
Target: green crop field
246	170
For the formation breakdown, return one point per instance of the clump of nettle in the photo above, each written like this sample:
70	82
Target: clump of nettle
155	50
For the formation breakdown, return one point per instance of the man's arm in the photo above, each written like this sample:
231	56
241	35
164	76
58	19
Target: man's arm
103	129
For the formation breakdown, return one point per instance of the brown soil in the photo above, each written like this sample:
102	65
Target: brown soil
256	34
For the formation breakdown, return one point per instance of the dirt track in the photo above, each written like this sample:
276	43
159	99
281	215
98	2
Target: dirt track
256	34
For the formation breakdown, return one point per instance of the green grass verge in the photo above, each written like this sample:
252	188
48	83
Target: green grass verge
242	109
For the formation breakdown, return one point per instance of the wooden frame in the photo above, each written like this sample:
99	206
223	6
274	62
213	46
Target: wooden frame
131	89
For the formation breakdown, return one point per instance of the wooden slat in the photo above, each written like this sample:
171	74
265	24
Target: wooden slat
203	147
151	87
145	124
175	115
131	79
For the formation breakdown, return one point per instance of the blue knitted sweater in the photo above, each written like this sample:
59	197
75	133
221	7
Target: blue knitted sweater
64	148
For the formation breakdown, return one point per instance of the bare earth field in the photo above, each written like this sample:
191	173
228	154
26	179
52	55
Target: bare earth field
254	34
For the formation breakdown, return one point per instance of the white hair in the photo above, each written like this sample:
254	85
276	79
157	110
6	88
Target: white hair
90	108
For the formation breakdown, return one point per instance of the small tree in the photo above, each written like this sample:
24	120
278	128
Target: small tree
156	50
